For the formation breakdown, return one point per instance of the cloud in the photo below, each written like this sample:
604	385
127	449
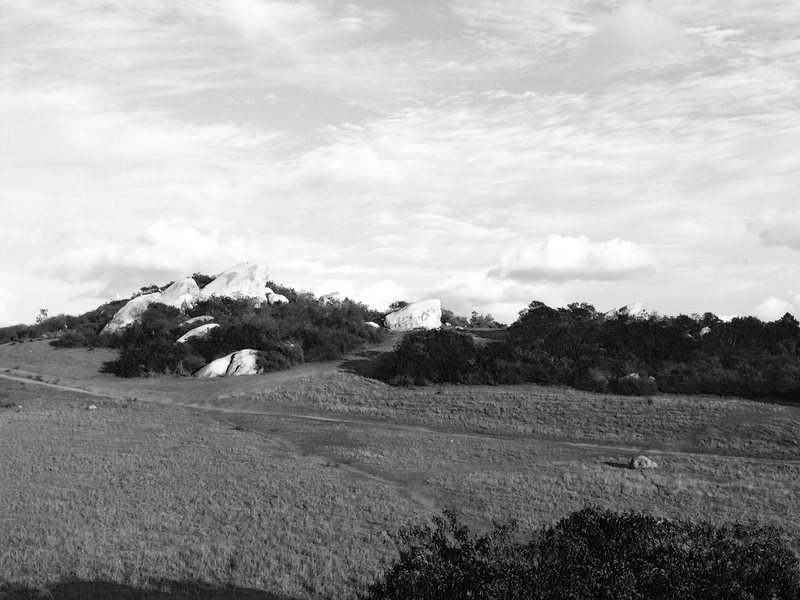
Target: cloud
564	258
5	297
636	32
780	229
161	251
774	308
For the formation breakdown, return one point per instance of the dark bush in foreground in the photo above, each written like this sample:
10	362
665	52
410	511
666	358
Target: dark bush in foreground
592	554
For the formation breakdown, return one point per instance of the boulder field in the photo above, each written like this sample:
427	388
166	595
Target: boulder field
245	280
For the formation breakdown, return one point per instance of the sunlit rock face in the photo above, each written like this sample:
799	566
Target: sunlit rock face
333	298
181	293
426	314
245	280
635	310
130	313
274	298
241	362
198	332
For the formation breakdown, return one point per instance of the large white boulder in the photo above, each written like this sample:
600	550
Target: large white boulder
635	311
426	314
200	331
241	362
274	298
131	312
332	298
245	280
182	293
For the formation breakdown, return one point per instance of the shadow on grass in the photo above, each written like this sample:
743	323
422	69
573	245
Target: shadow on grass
161	590
366	365
618	465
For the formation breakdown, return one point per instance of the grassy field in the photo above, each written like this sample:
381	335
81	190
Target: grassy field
137	494
292	485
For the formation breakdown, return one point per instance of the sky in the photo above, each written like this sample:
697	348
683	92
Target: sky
488	153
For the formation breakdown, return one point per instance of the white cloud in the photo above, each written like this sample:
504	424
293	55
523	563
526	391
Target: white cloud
780	229
774	308
635	32
162	251
563	258
5	297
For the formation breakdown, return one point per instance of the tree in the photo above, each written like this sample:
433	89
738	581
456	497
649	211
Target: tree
42	316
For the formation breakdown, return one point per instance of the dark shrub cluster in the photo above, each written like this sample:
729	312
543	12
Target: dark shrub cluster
579	347
283	335
592	555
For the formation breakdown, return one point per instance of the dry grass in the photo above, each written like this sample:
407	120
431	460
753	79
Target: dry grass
687	423
133	493
262	497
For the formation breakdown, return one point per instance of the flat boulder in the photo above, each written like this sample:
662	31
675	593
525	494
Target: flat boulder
245	280
200	319
198	332
372	324
426	314
130	313
241	362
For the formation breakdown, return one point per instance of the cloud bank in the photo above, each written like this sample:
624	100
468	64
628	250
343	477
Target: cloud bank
563	258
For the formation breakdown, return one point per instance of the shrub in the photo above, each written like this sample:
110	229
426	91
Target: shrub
592	554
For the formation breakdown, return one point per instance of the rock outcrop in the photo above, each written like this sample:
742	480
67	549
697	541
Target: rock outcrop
635	311
333	298
274	298
245	280
241	362
200	331
426	314
130	313
180	294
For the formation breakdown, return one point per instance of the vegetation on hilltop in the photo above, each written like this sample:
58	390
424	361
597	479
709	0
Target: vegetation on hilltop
302	330
580	347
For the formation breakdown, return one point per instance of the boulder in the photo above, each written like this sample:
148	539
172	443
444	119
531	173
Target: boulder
333	298
274	298
372	324
200	319
131	312
245	280
426	314
635	311
181	294
642	462
200	331
241	362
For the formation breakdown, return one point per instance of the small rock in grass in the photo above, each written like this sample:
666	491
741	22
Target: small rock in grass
642	462
92	407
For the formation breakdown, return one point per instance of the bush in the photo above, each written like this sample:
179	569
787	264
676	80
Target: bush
634	384
592	554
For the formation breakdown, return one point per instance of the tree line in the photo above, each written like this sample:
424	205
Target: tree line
581	347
